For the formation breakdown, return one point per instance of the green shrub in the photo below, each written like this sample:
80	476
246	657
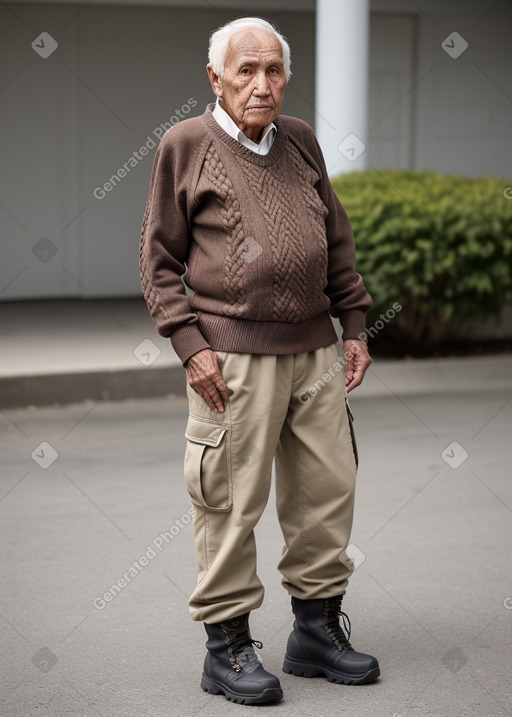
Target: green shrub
440	246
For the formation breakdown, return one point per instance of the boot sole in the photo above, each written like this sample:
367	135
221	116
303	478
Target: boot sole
271	694
304	668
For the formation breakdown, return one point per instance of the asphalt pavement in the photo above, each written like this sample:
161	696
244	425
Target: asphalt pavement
97	556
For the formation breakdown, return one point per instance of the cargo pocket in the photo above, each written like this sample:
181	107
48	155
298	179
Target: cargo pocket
352	432
208	464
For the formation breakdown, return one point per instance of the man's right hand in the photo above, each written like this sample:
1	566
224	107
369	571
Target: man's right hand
204	376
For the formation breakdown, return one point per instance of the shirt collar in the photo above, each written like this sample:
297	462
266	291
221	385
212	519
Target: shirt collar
229	126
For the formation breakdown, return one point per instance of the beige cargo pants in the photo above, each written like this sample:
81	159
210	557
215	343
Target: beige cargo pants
294	408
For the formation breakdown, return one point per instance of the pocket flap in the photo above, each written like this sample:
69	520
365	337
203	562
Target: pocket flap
208	434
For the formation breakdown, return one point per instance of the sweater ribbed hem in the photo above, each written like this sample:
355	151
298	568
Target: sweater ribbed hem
266	337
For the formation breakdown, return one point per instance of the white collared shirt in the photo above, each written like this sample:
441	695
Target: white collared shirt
231	128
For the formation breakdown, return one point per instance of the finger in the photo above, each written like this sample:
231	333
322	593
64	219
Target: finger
222	390
218	402
218	397
355	381
225	393
358	375
212	399
351	383
349	372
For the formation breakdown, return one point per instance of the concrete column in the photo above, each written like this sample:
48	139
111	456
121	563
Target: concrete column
341	97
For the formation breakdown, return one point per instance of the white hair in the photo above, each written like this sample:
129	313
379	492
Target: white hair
219	41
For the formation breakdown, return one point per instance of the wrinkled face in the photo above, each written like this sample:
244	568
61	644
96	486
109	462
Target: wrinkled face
251	89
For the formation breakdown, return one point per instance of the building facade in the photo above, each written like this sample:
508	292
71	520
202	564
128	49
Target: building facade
88	90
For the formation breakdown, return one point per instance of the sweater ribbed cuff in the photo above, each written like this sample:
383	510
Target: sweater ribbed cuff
353	323
187	341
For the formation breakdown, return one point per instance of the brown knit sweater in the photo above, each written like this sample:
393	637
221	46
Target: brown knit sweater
266	246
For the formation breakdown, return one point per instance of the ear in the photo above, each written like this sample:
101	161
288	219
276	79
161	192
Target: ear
214	81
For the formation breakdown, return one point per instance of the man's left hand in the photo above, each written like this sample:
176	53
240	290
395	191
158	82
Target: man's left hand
357	360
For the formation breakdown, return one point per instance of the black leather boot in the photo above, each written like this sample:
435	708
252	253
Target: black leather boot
232	668
319	646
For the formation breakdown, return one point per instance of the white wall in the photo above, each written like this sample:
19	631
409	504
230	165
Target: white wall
70	121
464	105
392	73
429	110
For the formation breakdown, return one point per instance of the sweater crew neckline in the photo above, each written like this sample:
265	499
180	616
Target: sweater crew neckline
262	160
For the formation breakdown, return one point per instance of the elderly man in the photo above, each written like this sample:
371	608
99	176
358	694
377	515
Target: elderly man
240	207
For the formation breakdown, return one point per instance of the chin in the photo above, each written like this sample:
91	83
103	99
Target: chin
261	118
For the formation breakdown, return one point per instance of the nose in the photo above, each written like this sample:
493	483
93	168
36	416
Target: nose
261	86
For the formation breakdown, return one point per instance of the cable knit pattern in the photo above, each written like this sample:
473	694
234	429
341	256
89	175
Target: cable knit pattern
261	241
294	275
317	214
152	295
289	259
234	267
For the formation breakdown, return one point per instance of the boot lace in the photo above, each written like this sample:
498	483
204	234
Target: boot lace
240	646
336	632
